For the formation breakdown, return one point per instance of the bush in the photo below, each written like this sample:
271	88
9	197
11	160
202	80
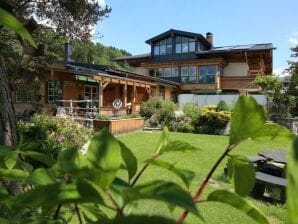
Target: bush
103	117
159	112
182	124
53	134
212	121
223	106
192	111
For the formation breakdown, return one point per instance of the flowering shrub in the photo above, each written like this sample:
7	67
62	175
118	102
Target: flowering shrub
53	134
192	111
212	121
182	124
159	112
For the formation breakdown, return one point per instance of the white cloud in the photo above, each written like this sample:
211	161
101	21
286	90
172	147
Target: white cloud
293	39
100	2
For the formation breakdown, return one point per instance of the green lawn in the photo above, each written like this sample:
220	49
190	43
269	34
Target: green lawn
143	143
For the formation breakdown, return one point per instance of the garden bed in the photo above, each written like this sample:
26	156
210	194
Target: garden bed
120	126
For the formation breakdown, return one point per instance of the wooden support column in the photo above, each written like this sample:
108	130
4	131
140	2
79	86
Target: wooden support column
134	98
100	91
125	94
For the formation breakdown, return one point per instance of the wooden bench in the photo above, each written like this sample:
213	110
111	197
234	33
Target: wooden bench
264	179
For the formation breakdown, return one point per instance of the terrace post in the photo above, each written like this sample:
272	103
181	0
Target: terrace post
125	94
100	89
134	98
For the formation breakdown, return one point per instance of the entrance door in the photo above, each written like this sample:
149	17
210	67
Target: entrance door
91	93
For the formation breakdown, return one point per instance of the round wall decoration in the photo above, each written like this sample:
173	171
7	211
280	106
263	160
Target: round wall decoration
117	104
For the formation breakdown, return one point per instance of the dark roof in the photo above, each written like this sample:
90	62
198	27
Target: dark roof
177	32
137	56
93	69
237	48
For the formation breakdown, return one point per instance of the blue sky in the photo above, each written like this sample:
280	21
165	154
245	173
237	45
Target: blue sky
131	22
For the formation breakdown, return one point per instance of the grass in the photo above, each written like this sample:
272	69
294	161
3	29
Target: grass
142	144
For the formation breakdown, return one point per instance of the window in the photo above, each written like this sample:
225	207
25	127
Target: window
189	74
207	74
162	93
185	45
90	92
52	91
163	47
164	72
25	93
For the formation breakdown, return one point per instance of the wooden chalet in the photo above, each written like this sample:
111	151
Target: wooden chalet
192	60
72	85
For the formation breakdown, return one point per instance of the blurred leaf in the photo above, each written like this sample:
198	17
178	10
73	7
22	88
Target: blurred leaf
41	176
134	219
185	175
3	194
163	140
239	203
178	146
12	174
129	159
58	193
24	165
4	149
39	157
273	131
67	158
247	119
242	174
10	159
104	153
163	191
12	23
292	188
93	214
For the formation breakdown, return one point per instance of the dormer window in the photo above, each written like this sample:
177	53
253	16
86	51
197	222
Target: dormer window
185	45
164	47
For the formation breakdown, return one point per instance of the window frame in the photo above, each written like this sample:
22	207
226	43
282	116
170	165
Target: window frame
164	44
207	75
54	90
26	94
181	42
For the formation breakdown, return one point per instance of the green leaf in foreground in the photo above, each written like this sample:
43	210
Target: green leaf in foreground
242	174
163	140
239	203
163	191
39	157
12	174
178	146
10	159
12	23
247	119
272	131
134	219
292	189
41	176
58	193
185	175
129	159
104	153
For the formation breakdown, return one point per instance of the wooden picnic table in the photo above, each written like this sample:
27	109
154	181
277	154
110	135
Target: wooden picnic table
270	174
279	156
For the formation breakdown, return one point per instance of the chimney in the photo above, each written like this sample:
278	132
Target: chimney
209	38
67	52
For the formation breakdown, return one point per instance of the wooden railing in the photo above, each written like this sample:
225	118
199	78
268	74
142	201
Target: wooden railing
236	82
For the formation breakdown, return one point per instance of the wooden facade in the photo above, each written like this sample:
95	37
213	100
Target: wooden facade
236	66
103	88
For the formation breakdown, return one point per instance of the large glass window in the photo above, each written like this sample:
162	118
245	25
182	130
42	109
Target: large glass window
163	47
207	74
185	45
189	74
25	93
52	91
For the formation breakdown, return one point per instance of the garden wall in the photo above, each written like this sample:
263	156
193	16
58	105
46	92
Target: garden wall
203	100
120	126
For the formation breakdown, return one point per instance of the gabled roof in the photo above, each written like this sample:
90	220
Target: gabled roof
237	48
177	32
